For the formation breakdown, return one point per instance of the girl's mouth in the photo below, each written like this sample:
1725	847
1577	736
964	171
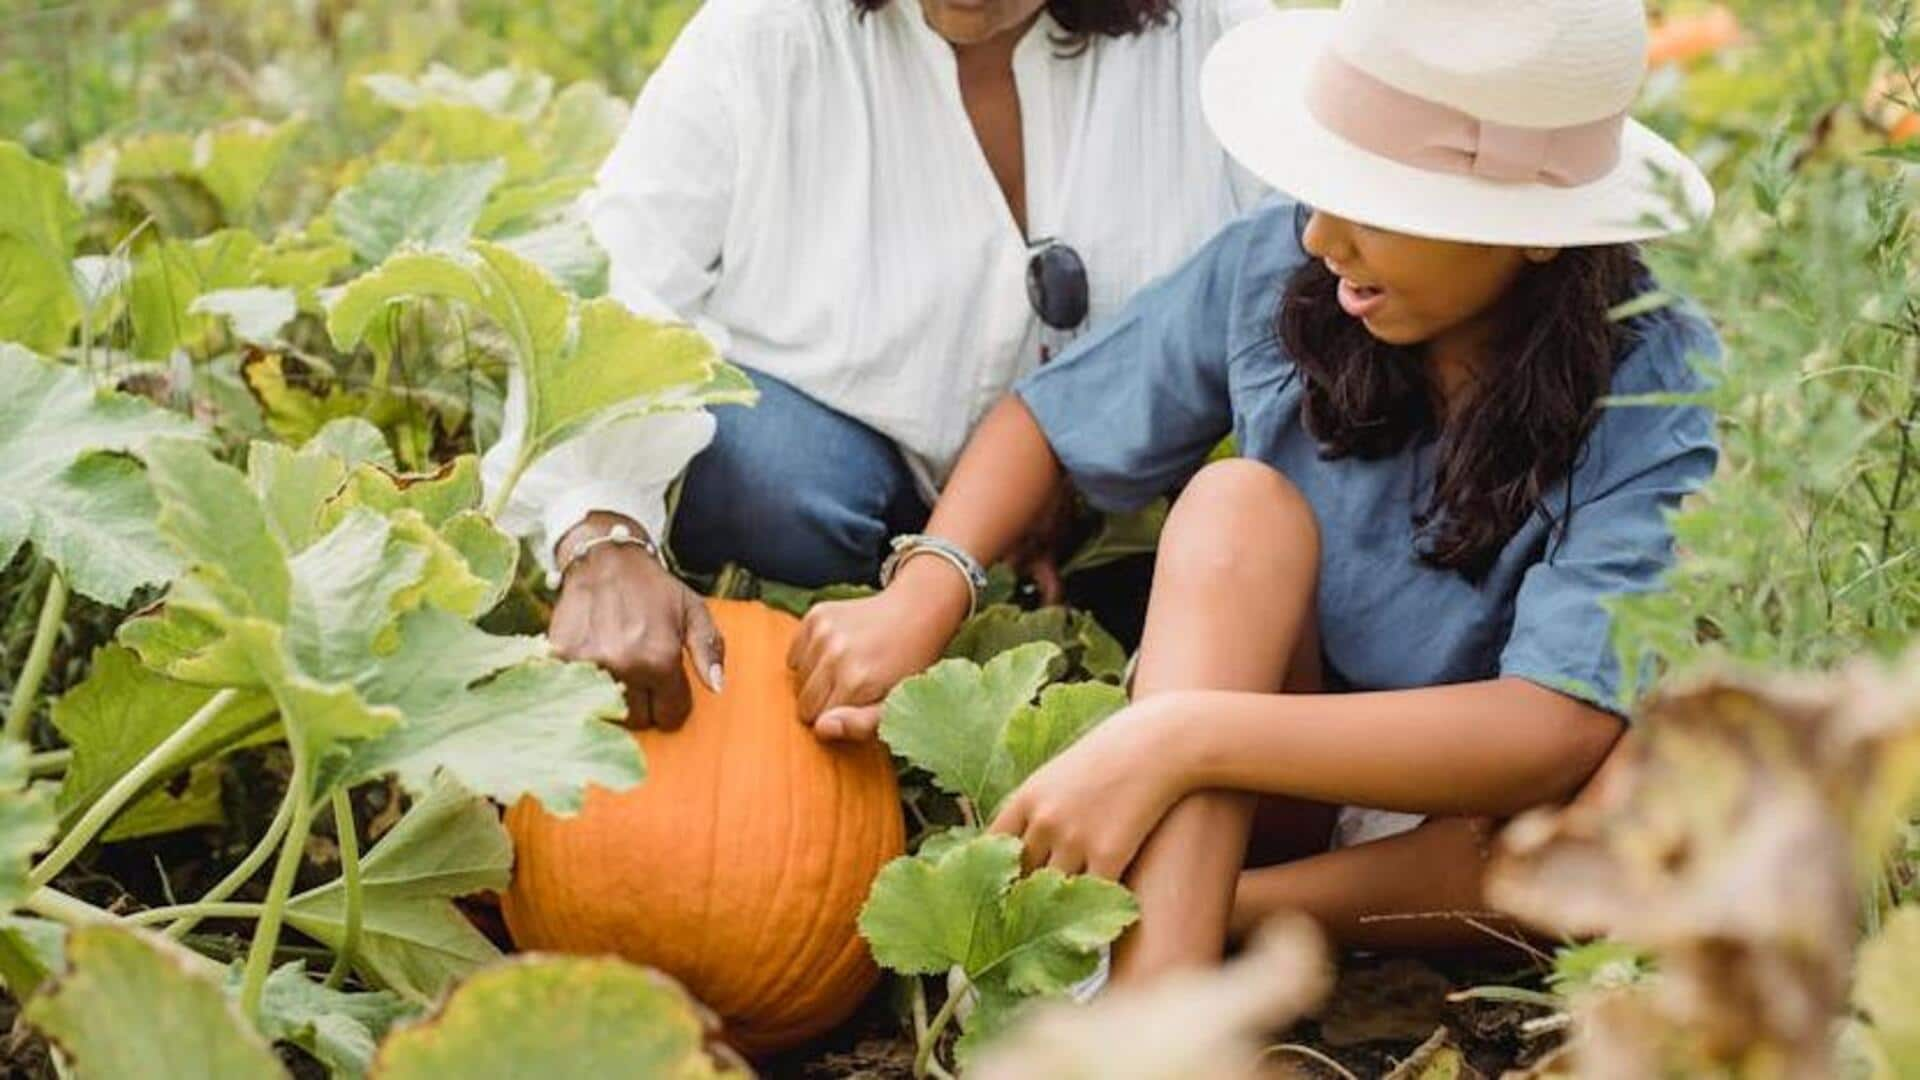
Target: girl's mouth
1360	301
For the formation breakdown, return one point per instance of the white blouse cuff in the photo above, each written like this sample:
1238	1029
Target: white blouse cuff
644	503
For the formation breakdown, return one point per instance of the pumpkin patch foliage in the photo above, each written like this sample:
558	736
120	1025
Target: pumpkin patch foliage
287	761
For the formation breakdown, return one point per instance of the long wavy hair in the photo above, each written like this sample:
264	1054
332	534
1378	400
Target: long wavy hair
1521	429
1083	19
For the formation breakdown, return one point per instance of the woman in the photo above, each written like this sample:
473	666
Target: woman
847	197
1434	502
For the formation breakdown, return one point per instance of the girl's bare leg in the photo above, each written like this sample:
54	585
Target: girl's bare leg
1417	890
1232	608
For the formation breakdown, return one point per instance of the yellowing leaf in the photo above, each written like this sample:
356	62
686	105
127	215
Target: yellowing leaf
561	1016
580	365
134	1006
412	206
38	227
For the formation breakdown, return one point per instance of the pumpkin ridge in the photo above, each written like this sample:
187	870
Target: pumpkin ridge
782	981
764	984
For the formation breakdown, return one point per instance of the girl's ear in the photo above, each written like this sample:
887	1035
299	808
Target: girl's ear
1540	256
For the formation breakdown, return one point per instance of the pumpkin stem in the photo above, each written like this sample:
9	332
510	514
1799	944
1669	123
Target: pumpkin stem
266	935
241	873
735	582
345	829
26	690
926	1060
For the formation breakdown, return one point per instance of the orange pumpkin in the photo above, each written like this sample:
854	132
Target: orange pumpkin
738	866
1681	39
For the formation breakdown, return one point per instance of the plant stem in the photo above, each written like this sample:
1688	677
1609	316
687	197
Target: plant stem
350	877
124	789
204	909
69	910
26	691
266	935
241	874
924	1059
49	763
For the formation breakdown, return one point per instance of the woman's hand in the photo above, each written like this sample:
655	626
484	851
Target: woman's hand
1091	808
619	608
849	654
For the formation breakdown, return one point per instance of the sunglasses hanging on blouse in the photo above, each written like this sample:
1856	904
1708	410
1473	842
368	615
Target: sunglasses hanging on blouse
1057	289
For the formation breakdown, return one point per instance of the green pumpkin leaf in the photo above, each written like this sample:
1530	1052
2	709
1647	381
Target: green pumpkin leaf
578	130
400	205
413	940
39	224
215	522
966	907
1051	932
121	712
1037	732
341	1029
1085	645
924	913
444	133
532	728
294	487
256	314
356	441
951	720
567	1016
516	92
89	512
236	159
133	1006
168	276
31	952
26	822
582	364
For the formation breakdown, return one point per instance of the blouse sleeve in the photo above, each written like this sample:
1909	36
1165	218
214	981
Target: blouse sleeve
1641	461
1133	408
659	207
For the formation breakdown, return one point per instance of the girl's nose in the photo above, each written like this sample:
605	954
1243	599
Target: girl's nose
1328	238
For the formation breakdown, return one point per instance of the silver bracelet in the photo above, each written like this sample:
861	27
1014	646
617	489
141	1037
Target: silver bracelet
907	546
619	535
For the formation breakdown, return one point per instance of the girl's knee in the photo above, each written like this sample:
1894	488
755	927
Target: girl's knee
1237	515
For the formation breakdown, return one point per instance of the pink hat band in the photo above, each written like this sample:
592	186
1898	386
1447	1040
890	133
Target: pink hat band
1412	130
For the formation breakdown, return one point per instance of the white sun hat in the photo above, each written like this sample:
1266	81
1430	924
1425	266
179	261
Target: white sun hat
1485	121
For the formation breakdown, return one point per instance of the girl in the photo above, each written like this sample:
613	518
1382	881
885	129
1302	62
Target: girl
1395	598
884	210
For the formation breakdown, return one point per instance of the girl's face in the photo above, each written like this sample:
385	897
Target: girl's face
1412	291
970	22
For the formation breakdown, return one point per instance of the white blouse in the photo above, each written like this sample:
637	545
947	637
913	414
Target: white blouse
803	185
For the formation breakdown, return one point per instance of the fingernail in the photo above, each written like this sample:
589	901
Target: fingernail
715	678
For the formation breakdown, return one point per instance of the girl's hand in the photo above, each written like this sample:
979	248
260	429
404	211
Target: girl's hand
850	654
1090	809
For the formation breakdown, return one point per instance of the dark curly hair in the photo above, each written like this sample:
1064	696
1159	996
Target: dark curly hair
1082	19
1519	435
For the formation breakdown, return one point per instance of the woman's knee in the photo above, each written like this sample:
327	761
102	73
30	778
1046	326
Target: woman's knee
1240	518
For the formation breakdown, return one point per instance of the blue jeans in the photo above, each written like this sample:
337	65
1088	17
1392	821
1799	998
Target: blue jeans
795	492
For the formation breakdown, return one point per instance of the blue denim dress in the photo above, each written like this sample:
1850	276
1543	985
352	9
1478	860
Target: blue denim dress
1133	409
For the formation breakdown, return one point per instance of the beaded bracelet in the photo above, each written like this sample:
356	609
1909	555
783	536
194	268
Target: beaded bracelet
618	535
